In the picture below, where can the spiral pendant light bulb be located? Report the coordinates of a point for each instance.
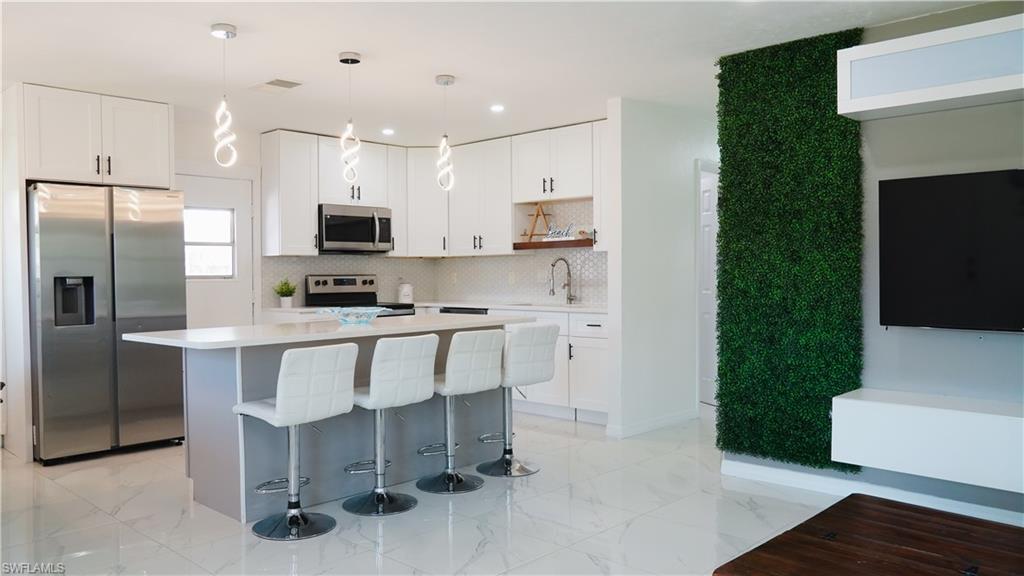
(445, 170)
(224, 150)
(350, 145)
(445, 173)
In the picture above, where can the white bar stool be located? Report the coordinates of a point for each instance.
(402, 372)
(529, 359)
(312, 384)
(474, 365)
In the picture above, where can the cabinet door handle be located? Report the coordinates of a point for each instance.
(474, 242)
(481, 242)
(352, 192)
(108, 165)
(593, 325)
(552, 184)
(316, 240)
(97, 163)
(444, 243)
(570, 351)
(359, 192)
(544, 186)
(594, 236)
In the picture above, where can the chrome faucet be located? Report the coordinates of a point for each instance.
(569, 296)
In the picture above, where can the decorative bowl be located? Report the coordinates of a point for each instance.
(354, 314)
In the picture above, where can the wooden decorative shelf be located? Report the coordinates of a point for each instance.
(581, 243)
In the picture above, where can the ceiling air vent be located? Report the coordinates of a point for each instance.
(276, 86)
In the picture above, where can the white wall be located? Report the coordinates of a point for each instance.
(193, 145)
(955, 362)
(652, 267)
(15, 295)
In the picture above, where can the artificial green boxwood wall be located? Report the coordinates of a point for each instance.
(789, 250)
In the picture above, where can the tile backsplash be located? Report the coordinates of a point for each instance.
(421, 273)
(524, 277)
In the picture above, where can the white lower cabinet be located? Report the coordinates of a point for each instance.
(588, 373)
(581, 363)
(554, 392)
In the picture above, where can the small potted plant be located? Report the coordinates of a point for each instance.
(285, 290)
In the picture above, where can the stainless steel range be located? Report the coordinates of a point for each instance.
(350, 290)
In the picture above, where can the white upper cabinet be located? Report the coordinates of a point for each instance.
(465, 200)
(601, 183)
(63, 139)
(531, 166)
(427, 205)
(495, 228)
(480, 204)
(398, 200)
(82, 137)
(572, 162)
(136, 142)
(553, 164)
(289, 188)
(371, 185)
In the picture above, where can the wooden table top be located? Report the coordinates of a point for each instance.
(872, 536)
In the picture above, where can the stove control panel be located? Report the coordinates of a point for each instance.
(323, 284)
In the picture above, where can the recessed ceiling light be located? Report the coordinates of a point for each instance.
(497, 108)
(388, 131)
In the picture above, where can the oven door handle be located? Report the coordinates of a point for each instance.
(376, 230)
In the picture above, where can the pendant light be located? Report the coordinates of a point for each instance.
(224, 152)
(445, 173)
(350, 143)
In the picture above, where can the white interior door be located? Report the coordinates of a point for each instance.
(218, 251)
(708, 294)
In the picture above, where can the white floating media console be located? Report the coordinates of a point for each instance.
(971, 65)
(972, 441)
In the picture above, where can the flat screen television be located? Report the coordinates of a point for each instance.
(952, 251)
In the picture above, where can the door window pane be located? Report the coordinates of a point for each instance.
(209, 260)
(208, 226)
(209, 243)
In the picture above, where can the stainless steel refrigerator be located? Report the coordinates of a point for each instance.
(104, 261)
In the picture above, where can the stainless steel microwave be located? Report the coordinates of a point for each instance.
(354, 228)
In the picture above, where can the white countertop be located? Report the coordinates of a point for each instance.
(576, 308)
(268, 334)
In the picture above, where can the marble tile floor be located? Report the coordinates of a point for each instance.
(654, 503)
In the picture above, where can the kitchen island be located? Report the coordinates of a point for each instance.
(228, 455)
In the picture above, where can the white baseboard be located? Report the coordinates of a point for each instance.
(634, 428)
(844, 486)
(561, 412)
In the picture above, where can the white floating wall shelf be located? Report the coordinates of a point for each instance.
(970, 65)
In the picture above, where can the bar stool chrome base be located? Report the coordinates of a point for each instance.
(507, 467)
(293, 526)
(374, 503)
(450, 483)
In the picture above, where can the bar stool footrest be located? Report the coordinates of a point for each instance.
(278, 485)
(492, 437)
(435, 449)
(364, 466)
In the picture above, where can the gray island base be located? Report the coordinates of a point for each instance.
(228, 455)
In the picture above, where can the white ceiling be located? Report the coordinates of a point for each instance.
(550, 64)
